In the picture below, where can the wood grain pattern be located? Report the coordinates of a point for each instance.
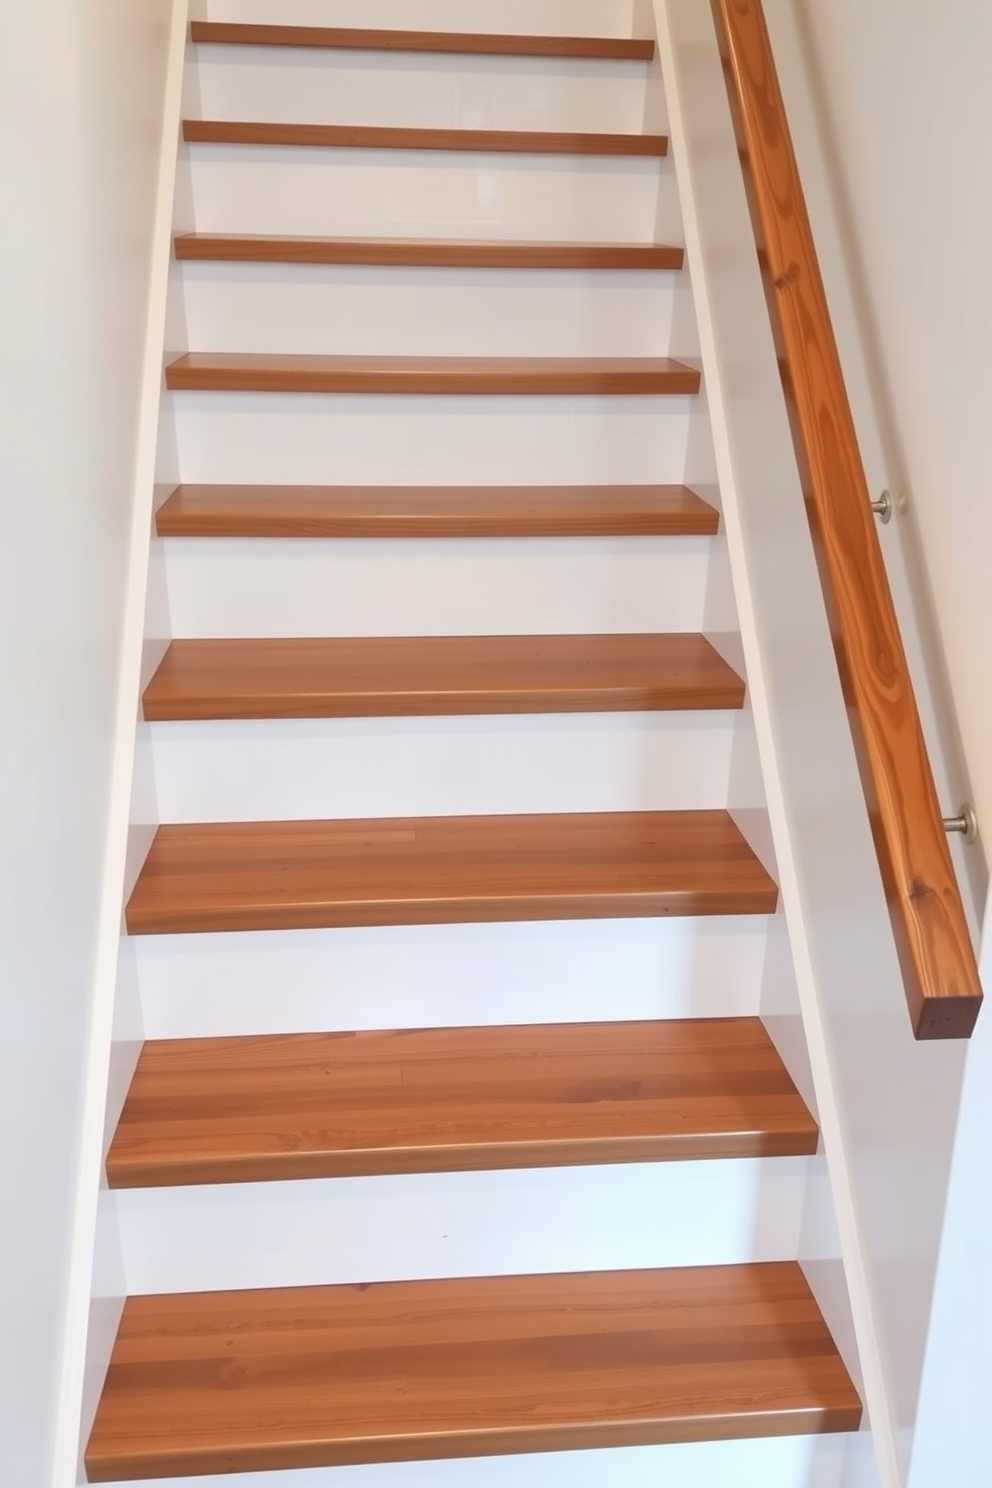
(931, 931)
(445, 870)
(376, 137)
(426, 252)
(435, 511)
(338, 38)
(406, 1371)
(241, 372)
(433, 676)
(248, 1110)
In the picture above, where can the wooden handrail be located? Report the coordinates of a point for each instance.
(931, 932)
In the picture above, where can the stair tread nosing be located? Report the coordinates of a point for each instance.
(204, 371)
(410, 676)
(403, 137)
(435, 511)
(249, 1110)
(232, 876)
(341, 38)
(413, 1371)
(426, 252)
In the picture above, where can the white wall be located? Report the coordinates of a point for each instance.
(953, 1442)
(905, 122)
(81, 93)
(907, 112)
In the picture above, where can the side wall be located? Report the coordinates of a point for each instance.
(907, 117)
(904, 120)
(81, 94)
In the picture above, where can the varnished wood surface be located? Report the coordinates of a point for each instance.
(444, 870)
(337, 38)
(931, 931)
(404, 1371)
(375, 137)
(247, 1110)
(430, 676)
(435, 511)
(427, 252)
(203, 371)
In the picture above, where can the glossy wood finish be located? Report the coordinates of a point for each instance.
(374, 137)
(445, 870)
(241, 372)
(931, 931)
(386, 677)
(337, 38)
(405, 1371)
(247, 1110)
(435, 511)
(427, 253)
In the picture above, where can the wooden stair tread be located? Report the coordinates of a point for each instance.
(249, 1110)
(426, 252)
(201, 371)
(445, 870)
(393, 137)
(411, 1371)
(409, 676)
(465, 43)
(435, 511)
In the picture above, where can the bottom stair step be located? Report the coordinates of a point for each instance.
(411, 1371)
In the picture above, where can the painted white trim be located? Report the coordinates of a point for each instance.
(97, 1061)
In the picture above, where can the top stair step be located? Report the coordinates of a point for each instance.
(366, 137)
(425, 253)
(242, 372)
(461, 43)
(435, 511)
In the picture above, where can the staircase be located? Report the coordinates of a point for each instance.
(456, 1138)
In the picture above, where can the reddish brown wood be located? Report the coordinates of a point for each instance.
(404, 1371)
(247, 1110)
(928, 918)
(441, 870)
(435, 511)
(366, 137)
(452, 376)
(427, 253)
(406, 676)
(336, 38)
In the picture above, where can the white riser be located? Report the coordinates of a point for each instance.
(776, 1462)
(416, 441)
(297, 588)
(426, 312)
(261, 189)
(430, 92)
(557, 17)
(439, 976)
(283, 770)
(404, 1228)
